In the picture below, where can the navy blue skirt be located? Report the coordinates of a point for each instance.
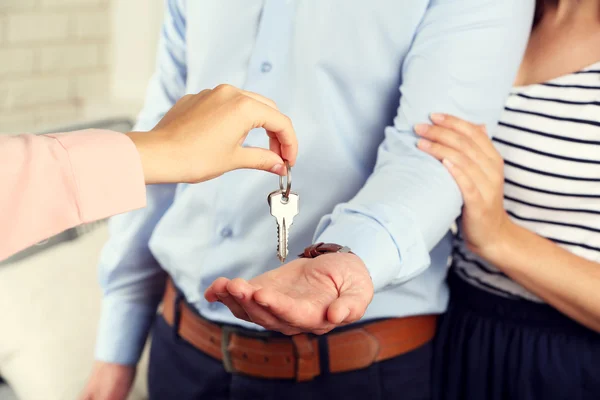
(490, 347)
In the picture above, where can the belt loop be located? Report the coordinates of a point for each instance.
(307, 363)
(176, 314)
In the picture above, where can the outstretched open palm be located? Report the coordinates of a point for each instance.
(305, 295)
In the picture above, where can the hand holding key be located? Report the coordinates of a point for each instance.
(306, 295)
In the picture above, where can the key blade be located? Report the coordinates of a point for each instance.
(282, 245)
(286, 224)
(284, 212)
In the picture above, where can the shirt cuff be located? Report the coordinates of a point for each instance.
(108, 173)
(123, 331)
(392, 256)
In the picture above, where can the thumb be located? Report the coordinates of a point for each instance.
(349, 307)
(262, 159)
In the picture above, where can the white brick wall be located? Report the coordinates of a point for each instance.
(36, 27)
(16, 61)
(16, 4)
(91, 25)
(54, 59)
(69, 57)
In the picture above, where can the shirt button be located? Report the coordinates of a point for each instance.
(226, 232)
(266, 67)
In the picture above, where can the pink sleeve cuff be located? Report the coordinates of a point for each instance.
(107, 171)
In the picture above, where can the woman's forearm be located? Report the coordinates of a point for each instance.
(566, 281)
(54, 182)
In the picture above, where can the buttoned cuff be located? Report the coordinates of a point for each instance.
(391, 257)
(123, 331)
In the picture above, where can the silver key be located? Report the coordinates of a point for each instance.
(284, 207)
(284, 211)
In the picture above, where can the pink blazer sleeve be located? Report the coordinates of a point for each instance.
(49, 183)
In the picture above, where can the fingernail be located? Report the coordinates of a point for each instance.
(447, 163)
(222, 295)
(421, 129)
(278, 169)
(238, 295)
(437, 117)
(424, 144)
(262, 304)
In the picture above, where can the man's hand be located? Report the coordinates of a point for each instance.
(109, 382)
(306, 295)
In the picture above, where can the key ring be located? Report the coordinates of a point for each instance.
(286, 195)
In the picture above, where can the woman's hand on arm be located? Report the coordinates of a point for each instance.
(568, 282)
(201, 137)
(469, 155)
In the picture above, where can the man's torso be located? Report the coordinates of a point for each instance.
(335, 68)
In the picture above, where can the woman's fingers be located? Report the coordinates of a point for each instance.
(459, 142)
(260, 98)
(274, 144)
(264, 113)
(455, 157)
(259, 158)
(470, 191)
(477, 133)
(211, 126)
(279, 127)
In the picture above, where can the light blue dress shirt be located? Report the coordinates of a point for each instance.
(354, 76)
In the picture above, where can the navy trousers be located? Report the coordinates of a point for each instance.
(179, 371)
(493, 348)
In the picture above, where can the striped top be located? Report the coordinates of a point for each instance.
(549, 137)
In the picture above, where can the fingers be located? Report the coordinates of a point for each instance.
(263, 159)
(218, 292)
(210, 293)
(471, 193)
(459, 142)
(298, 314)
(477, 133)
(265, 114)
(278, 303)
(442, 152)
(243, 292)
(348, 308)
(274, 144)
(278, 126)
(456, 124)
(237, 295)
(278, 143)
(260, 98)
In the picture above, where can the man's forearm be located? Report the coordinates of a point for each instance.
(385, 231)
(463, 61)
(123, 330)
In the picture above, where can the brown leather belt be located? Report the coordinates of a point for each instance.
(297, 357)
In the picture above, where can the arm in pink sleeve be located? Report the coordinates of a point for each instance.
(49, 183)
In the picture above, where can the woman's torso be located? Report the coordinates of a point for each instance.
(549, 137)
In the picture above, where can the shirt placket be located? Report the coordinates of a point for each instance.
(267, 62)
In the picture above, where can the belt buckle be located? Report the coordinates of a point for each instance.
(226, 332)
